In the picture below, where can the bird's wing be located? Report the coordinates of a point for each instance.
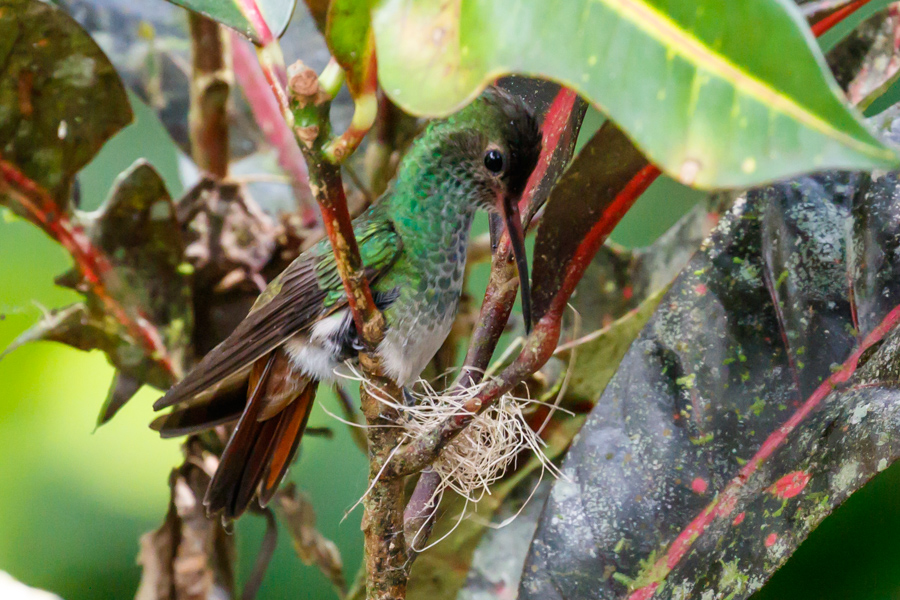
(309, 289)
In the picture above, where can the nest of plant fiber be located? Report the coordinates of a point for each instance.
(484, 450)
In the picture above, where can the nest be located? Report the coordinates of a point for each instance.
(484, 450)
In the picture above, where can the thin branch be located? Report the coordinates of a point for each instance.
(89, 260)
(263, 557)
(365, 110)
(211, 81)
(560, 130)
(420, 512)
(310, 104)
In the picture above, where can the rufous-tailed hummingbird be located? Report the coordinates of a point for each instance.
(413, 246)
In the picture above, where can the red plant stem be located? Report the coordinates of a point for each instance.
(540, 344)
(312, 105)
(269, 52)
(724, 503)
(89, 259)
(556, 124)
(269, 118)
(339, 228)
(836, 17)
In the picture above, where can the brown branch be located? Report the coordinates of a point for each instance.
(560, 130)
(419, 515)
(89, 260)
(211, 81)
(310, 104)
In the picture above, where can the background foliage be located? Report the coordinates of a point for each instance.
(75, 503)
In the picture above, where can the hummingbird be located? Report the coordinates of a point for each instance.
(412, 242)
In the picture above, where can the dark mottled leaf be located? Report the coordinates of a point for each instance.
(620, 279)
(584, 198)
(122, 389)
(739, 418)
(500, 555)
(597, 354)
(52, 79)
(138, 230)
(148, 277)
(79, 327)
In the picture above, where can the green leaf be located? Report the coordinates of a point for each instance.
(718, 94)
(53, 79)
(235, 14)
(349, 38)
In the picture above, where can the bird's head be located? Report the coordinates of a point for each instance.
(494, 144)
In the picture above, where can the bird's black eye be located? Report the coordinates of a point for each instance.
(493, 161)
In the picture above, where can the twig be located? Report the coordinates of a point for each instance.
(310, 104)
(263, 557)
(420, 512)
(364, 113)
(211, 81)
(89, 260)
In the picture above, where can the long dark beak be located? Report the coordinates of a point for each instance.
(513, 222)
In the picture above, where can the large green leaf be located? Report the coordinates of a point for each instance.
(716, 93)
(238, 14)
(53, 79)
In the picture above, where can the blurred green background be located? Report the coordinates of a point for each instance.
(73, 501)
